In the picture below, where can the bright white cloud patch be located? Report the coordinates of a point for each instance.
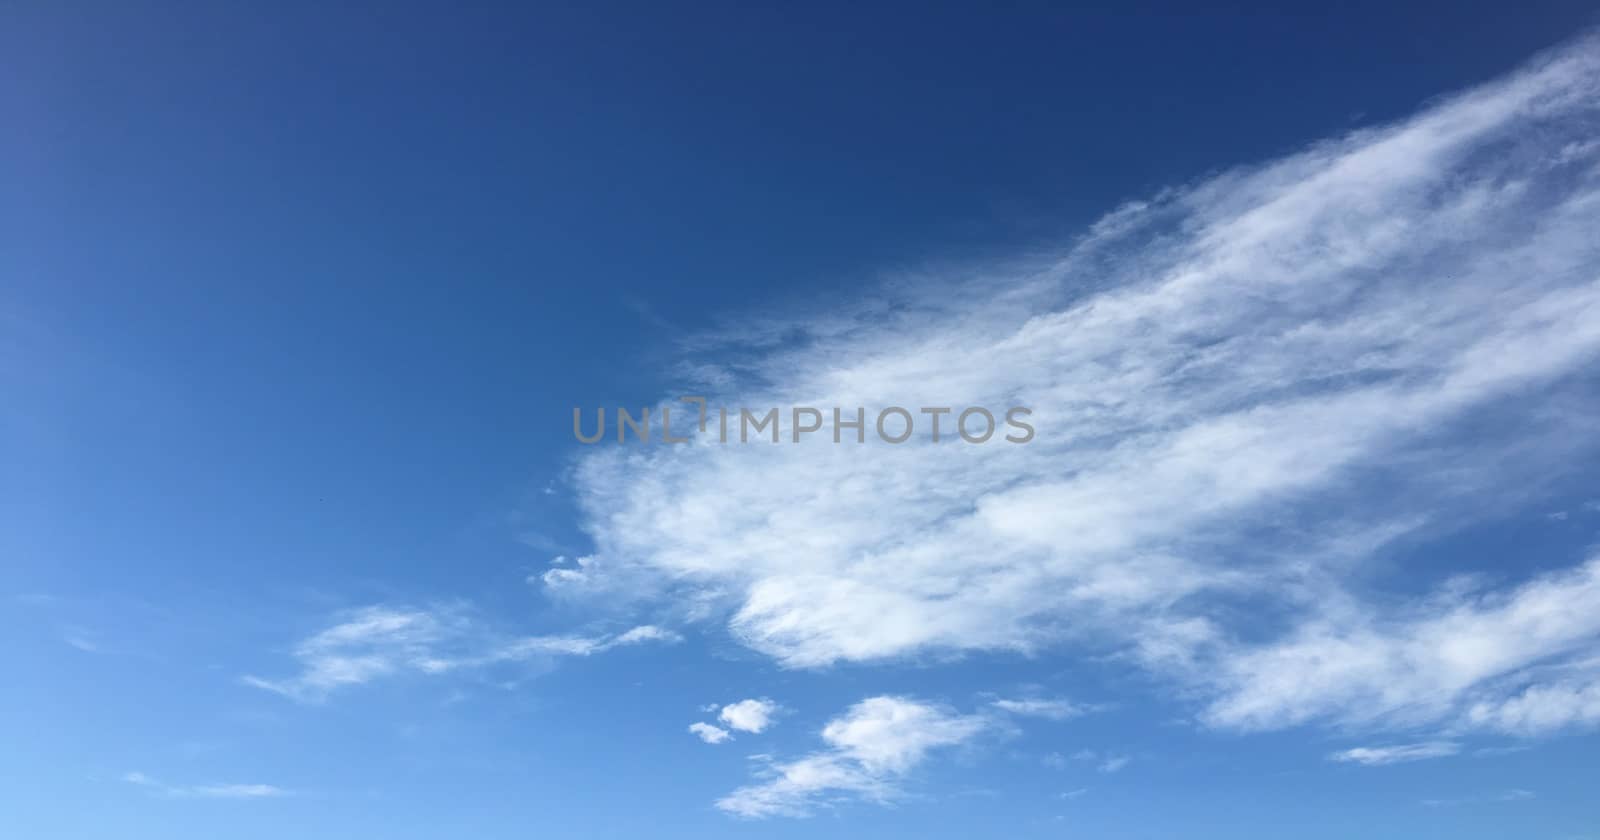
(869, 749)
(1393, 325)
(708, 733)
(567, 577)
(381, 641)
(1397, 753)
(749, 715)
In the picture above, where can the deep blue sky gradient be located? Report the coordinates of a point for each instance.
(295, 300)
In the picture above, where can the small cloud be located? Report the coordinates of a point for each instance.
(211, 791)
(1050, 709)
(708, 733)
(1397, 753)
(566, 578)
(556, 578)
(749, 715)
(236, 791)
(1557, 516)
(81, 643)
(646, 633)
(1511, 795)
(1104, 762)
(1114, 763)
(1072, 794)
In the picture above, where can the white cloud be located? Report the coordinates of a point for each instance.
(708, 733)
(567, 578)
(1050, 709)
(1103, 762)
(1544, 708)
(646, 633)
(1114, 763)
(1360, 669)
(82, 641)
(237, 791)
(1242, 389)
(213, 791)
(381, 641)
(1397, 753)
(749, 715)
(870, 748)
(1512, 795)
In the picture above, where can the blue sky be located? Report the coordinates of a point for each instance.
(296, 304)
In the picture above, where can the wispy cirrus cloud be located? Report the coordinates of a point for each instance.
(1113, 764)
(1104, 762)
(869, 749)
(1043, 707)
(1548, 706)
(1511, 795)
(1244, 388)
(1396, 753)
(1424, 664)
(211, 791)
(384, 641)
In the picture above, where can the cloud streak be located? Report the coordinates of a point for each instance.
(380, 641)
(1048, 708)
(213, 791)
(1396, 754)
